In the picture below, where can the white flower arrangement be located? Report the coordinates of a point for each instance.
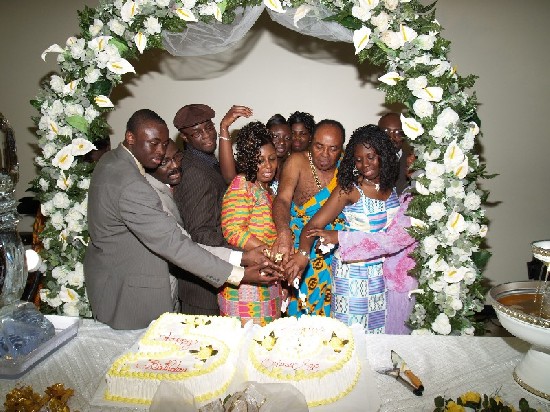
(400, 35)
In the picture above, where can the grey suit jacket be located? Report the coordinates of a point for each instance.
(131, 240)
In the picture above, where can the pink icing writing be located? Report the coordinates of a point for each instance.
(170, 365)
(305, 366)
(182, 342)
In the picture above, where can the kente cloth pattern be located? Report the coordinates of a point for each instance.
(359, 289)
(315, 282)
(394, 244)
(246, 212)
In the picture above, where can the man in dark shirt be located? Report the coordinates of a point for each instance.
(199, 197)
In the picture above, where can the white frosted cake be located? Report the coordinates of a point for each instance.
(316, 354)
(200, 352)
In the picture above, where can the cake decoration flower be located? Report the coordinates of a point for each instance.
(269, 341)
(204, 353)
(337, 343)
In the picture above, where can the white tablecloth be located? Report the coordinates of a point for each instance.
(448, 366)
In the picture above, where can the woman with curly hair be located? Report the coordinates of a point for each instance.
(282, 140)
(367, 197)
(247, 222)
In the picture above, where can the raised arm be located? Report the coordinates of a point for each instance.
(288, 183)
(225, 151)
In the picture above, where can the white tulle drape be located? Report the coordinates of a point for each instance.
(200, 39)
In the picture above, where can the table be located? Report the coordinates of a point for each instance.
(447, 365)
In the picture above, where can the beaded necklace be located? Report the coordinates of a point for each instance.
(317, 181)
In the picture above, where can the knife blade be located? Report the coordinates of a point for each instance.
(401, 365)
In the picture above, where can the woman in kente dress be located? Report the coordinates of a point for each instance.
(367, 197)
(247, 222)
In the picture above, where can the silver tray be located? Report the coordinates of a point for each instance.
(65, 328)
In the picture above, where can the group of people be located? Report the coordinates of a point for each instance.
(285, 223)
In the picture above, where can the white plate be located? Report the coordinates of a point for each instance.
(65, 328)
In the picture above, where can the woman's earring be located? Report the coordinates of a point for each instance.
(355, 171)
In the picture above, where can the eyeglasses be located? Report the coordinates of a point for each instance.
(178, 157)
(395, 132)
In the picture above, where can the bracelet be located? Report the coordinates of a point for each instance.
(303, 252)
(225, 138)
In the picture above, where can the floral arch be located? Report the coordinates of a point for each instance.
(400, 35)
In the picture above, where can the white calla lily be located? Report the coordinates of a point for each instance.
(98, 44)
(54, 48)
(185, 14)
(453, 156)
(71, 40)
(300, 13)
(462, 169)
(128, 11)
(483, 231)
(81, 146)
(456, 223)
(474, 128)
(103, 101)
(218, 13)
(431, 94)
(411, 127)
(120, 66)
(407, 34)
(390, 78)
(53, 128)
(70, 87)
(140, 40)
(274, 5)
(64, 158)
(361, 38)
(420, 188)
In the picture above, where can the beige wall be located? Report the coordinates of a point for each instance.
(501, 41)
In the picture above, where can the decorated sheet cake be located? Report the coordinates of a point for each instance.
(315, 354)
(198, 352)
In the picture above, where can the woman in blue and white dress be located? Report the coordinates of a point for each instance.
(366, 195)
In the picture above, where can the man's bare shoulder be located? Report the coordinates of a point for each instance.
(296, 161)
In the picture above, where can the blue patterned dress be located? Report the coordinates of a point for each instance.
(359, 290)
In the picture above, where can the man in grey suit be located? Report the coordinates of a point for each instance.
(163, 179)
(132, 238)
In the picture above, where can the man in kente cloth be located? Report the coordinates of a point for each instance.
(306, 182)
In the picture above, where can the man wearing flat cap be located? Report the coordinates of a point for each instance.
(200, 193)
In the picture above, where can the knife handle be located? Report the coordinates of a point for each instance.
(417, 383)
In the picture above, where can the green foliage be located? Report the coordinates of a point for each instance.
(345, 18)
(481, 258)
(78, 122)
(85, 20)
